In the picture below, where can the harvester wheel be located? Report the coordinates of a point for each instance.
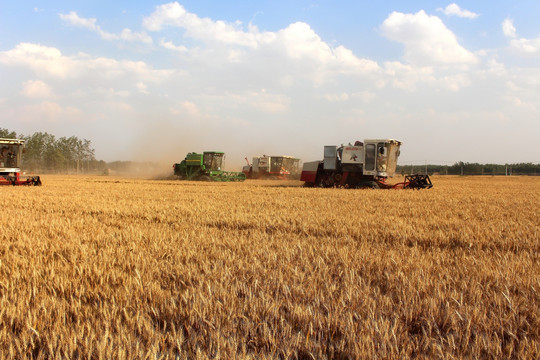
(374, 185)
(368, 185)
(204, 178)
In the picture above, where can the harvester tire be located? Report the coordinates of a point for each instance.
(368, 185)
(204, 178)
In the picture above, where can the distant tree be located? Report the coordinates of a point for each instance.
(39, 147)
(5, 133)
(54, 159)
(65, 147)
(86, 152)
(45, 152)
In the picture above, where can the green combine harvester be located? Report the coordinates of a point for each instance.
(205, 167)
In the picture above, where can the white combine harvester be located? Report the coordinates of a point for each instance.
(11, 151)
(363, 165)
(273, 167)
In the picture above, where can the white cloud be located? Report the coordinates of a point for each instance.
(55, 111)
(90, 23)
(121, 106)
(269, 103)
(142, 88)
(529, 46)
(174, 14)
(455, 82)
(129, 35)
(364, 96)
(520, 103)
(41, 59)
(301, 41)
(427, 40)
(190, 107)
(169, 45)
(296, 43)
(349, 63)
(409, 78)
(495, 68)
(166, 14)
(341, 97)
(236, 56)
(51, 112)
(49, 61)
(508, 28)
(109, 93)
(454, 10)
(522, 45)
(36, 89)
(406, 77)
(73, 19)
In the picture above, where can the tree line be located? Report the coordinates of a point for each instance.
(45, 152)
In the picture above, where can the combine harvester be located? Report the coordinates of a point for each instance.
(205, 167)
(11, 151)
(273, 168)
(362, 165)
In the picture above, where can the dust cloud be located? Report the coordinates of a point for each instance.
(153, 148)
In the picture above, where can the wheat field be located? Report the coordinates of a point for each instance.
(108, 267)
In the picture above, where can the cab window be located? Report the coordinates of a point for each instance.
(370, 157)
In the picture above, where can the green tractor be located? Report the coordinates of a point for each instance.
(205, 167)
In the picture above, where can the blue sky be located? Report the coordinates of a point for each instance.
(153, 80)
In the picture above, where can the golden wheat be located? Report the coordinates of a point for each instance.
(99, 268)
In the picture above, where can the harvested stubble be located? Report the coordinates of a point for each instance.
(99, 268)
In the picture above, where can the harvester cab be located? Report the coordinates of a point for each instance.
(11, 151)
(207, 166)
(363, 165)
(213, 161)
(376, 158)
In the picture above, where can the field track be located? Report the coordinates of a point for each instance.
(108, 267)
